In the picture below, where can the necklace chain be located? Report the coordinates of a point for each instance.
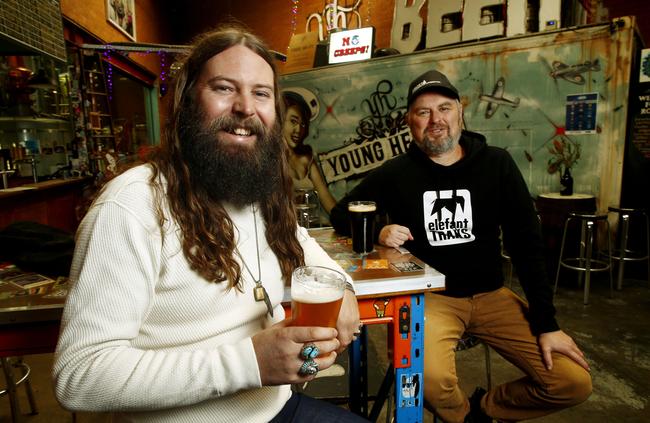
(257, 281)
(259, 292)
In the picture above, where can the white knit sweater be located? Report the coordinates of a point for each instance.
(145, 337)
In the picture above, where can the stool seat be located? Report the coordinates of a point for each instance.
(585, 262)
(622, 253)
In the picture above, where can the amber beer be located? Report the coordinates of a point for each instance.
(362, 224)
(316, 296)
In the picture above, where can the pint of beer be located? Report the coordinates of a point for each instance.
(362, 221)
(316, 296)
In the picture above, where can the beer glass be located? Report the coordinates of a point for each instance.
(316, 296)
(307, 207)
(362, 223)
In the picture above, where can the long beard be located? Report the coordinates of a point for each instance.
(240, 174)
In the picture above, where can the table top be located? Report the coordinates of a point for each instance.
(45, 303)
(41, 186)
(385, 271)
(558, 196)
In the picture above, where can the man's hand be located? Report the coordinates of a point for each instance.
(348, 322)
(394, 235)
(278, 351)
(562, 343)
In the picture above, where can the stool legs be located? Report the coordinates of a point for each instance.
(11, 390)
(585, 262)
(12, 385)
(588, 227)
(624, 225)
(623, 252)
(559, 263)
(488, 366)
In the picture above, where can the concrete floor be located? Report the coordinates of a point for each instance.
(613, 333)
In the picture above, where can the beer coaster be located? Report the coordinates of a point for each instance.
(406, 266)
(348, 266)
(375, 264)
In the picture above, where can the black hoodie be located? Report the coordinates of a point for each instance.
(455, 214)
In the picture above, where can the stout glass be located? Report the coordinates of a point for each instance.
(316, 296)
(362, 223)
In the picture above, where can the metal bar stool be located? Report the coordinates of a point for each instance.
(623, 253)
(12, 384)
(585, 262)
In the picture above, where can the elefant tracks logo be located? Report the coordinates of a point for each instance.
(448, 217)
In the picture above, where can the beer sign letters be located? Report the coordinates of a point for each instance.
(453, 21)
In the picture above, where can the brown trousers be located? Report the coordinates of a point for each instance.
(498, 319)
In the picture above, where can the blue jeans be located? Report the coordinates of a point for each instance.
(301, 408)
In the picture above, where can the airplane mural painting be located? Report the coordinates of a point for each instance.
(573, 73)
(497, 99)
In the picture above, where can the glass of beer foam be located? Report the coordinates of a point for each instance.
(362, 225)
(316, 296)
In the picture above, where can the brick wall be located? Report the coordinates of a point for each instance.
(36, 23)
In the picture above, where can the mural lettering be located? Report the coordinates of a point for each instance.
(380, 136)
(354, 159)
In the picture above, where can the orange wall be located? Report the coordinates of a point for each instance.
(150, 25)
(272, 21)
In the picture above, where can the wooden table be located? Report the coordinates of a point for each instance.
(553, 209)
(390, 286)
(30, 319)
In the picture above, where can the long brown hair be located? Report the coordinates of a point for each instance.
(207, 230)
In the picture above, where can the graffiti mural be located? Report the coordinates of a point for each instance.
(513, 91)
(380, 135)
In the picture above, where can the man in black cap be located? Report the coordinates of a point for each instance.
(448, 199)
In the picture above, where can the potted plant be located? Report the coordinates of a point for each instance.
(564, 154)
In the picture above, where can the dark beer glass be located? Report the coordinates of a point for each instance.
(362, 221)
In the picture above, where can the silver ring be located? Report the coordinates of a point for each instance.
(308, 368)
(309, 352)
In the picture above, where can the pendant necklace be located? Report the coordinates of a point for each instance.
(259, 292)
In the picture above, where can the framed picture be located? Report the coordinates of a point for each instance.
(121, 13)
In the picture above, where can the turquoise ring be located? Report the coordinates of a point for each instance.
(308, 368)
(309, 352)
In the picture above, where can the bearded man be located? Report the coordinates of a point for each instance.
(448, 198)
(180, 266)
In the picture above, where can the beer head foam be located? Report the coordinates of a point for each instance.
(316, 294)
(360, 208)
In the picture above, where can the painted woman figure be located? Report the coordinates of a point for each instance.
(303, 168)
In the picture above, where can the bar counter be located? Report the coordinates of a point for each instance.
(52, 202)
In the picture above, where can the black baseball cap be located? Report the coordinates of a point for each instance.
(431, 81)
